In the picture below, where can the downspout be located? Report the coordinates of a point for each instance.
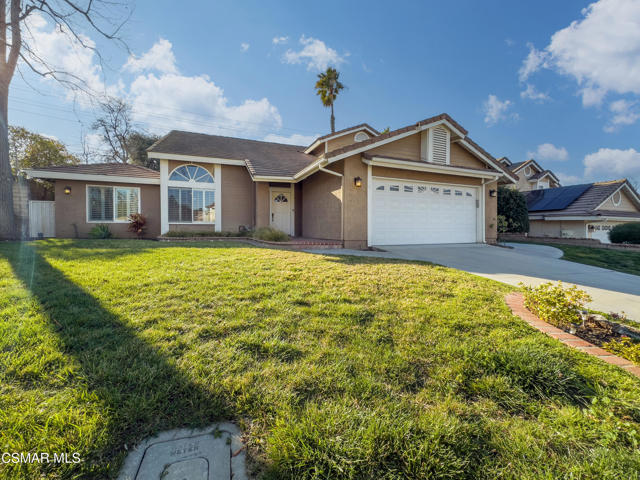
(484, 212)
(322, 169)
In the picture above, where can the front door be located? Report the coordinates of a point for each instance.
(281, 210)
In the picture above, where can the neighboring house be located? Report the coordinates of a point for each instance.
(582, 211)
(424, 183)
(531, 176)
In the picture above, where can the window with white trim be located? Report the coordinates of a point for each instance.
(191, 195)
(112, 204)
(617, 198)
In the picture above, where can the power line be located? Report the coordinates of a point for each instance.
(182, 112)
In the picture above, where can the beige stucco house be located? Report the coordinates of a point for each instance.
(582, 211)
(531, 176)
(424, 183)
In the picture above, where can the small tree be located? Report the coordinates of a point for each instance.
(137, 143)
(512, 206)
(114, 127)
(32, 150)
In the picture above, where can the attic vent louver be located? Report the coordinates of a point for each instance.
(439, 145)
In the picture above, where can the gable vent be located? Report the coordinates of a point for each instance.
(439, 145)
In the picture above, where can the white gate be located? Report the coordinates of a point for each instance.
(42, 218)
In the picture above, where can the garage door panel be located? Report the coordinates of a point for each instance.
(406, 212)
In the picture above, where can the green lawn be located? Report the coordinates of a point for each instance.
(620, 260)
(333, 367)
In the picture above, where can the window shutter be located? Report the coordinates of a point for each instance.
(439, 145)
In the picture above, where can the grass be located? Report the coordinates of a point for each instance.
(627, 261)
(349, 367)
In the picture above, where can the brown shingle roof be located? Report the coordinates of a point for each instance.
(262, 158)
(586, 204)
(111, 169)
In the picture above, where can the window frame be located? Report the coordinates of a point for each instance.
(193, 185)
(114, 200)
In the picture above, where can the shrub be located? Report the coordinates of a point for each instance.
(137, 224)
(100, 231)
(512, 206)
(270, 234)
(626, 348)
(555, 304)
(625, 233)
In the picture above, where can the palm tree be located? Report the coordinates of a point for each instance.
(328, 87)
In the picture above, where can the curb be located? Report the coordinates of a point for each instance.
(515, 301)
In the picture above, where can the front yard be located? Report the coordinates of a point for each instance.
(334, 367)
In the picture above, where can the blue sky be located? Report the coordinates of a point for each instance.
(555, 80)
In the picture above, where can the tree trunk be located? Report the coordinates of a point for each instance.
(7, 216)
(333, 121)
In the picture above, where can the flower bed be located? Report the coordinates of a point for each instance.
(565, 308)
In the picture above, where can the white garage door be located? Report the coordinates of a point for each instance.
(406, 212)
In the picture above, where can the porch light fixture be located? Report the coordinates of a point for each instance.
(67, 190)
(493, 193)
(357, 182)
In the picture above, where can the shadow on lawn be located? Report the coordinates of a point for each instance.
(142, 390)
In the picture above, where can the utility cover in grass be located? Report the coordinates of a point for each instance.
(213, 453)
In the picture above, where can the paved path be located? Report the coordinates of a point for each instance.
(530, 264)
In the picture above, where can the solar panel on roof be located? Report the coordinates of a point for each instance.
(554, 198)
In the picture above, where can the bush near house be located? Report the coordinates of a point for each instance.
(270, 234)
(555, 304)
(513, 216)
(625, 233)
(137, 223)
(100, 231)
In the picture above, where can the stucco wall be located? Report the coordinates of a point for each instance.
(262, 204)
(71, 209)
(548, 228)
(355, 204)
(491, 213)
(322, 206)
(237, 198)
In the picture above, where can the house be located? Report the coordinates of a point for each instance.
(531, 176)
(582, 211)
(424, 183)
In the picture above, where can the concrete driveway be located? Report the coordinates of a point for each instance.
(530, 264)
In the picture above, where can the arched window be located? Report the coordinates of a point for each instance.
(191, 173)
(191, 195)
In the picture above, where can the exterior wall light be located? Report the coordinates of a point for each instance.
(493, 193)
(357, 182)
(67, 190)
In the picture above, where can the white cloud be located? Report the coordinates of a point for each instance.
(624, 113)
(548, 151)
(315, 53)
(295, 139)
(534, 61)
(567, 179)
(244, 47)
(64, 54)
(611, 162)
(160, 58)
(197, 103)
(600, 51)
(280, 40)
(496, 110)
(532, 94)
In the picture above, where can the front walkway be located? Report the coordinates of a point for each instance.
(611, 291)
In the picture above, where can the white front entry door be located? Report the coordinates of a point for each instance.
(409, 212)
(281, 209)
